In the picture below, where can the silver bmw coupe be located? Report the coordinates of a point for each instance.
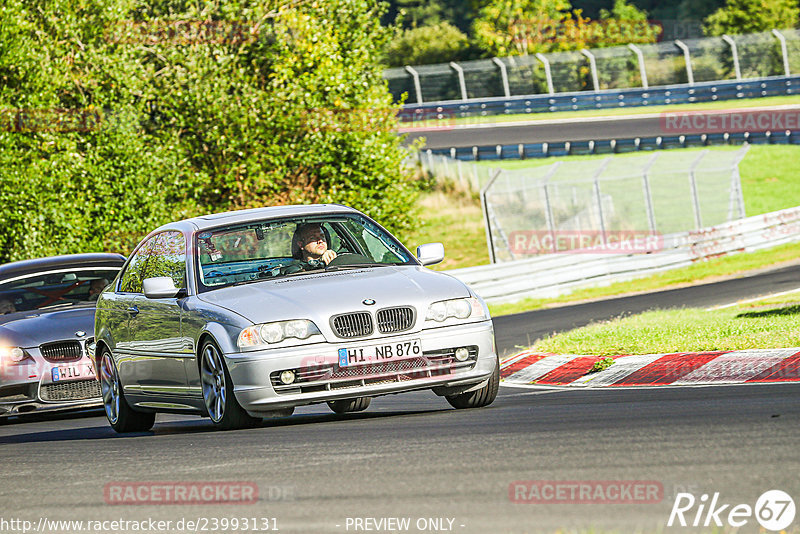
(244, 315)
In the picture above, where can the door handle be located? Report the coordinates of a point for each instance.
(133, 310)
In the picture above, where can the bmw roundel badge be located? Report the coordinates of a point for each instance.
(368, 302)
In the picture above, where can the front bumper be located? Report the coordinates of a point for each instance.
(320, 378)
(34, 386)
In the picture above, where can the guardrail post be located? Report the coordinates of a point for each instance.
(640, 59)
(592, 68)
(648, 197)
(503, 76)
(737, 197)
(596, 179)
(784, 52)
(417, 87)
(735, 53)
(687, 58)
(698, 219)
(487, 214)
(462, 83)
(551, 222)
(541, 57)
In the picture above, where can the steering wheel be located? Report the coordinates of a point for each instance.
(349, 258)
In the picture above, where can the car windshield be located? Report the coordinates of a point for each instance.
(273, 249)
(60, 287)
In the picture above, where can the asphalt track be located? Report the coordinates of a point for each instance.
(583, 129)
(412, 456)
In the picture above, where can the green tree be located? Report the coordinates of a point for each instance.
(119, 116)
(751, 16)
(439, 43)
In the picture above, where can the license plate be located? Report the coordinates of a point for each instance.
(71, 372)
(398, 350)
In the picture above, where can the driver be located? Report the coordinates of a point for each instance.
(6, 306)
(311, 245)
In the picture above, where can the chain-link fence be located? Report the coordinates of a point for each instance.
(596, 205)
(773, 53)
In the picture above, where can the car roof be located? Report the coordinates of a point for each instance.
(256, 214)
(100, 260)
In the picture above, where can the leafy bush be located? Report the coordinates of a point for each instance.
(117, 118)
(438, 43)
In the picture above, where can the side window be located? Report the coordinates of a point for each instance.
(132, 278)
(168, 258)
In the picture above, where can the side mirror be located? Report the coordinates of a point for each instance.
(430, 253)
(160, 287)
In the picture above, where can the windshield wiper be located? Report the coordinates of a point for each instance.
(357, 266)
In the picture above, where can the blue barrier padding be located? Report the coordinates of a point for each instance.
(603, 146)
(487, 153)
(695, 140)
(758, 138)
(627, 145)
(648, 143)
(510, 152)
(580, 148)
(557, 149)
(534, 150)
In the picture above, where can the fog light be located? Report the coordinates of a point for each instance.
(287, 377)
(462, 354)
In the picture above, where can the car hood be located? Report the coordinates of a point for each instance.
(318, 296)
(32, 328)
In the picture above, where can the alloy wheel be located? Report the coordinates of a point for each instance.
(109, 386)
(212, 376)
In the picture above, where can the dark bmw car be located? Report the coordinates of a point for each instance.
(47, 310)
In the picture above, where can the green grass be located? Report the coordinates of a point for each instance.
(769, 173)
(636, 110)
(454, 220)
(759, 326)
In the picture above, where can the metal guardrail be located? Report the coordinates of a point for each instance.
(605, 99)
(610, 70)
(614, 146)
(551, 275)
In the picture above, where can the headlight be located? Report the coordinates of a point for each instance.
(456, 308)
(269, 333)
(14, 354)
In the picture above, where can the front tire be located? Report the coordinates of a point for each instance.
(224, 410)
(358, 404)
(120, 415)
(480, 397)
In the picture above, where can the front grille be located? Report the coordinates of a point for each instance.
(326, 377)
(392, 320)
(61, 351)
(67, 391)
(379, 368)
(351, 325)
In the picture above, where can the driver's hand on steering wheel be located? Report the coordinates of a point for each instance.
(328, 256)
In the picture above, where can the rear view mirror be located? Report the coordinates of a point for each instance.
(160, 287)
(430, 253)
